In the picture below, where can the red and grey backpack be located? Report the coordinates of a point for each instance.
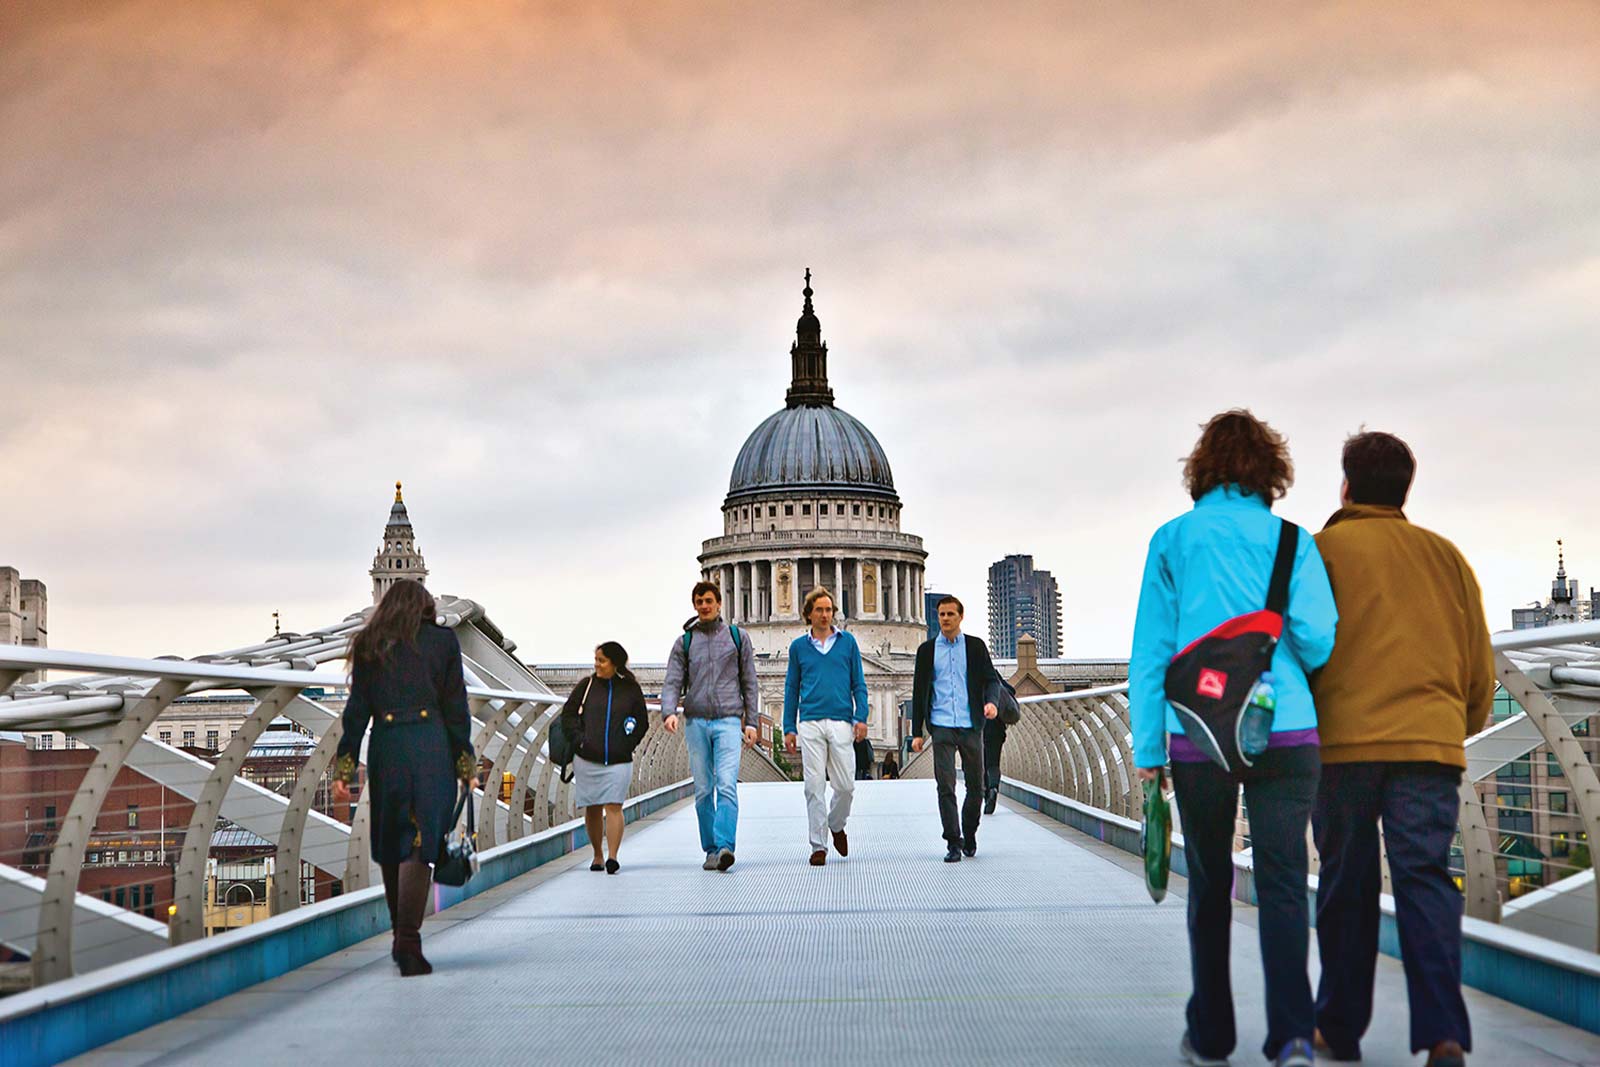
(1209, 682)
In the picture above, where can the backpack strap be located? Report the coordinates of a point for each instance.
(738, 657)
(1282, 567)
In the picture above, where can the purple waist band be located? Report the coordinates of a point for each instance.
(1182, 750)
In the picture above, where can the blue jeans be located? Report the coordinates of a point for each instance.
(1418, 805)
(715, 746)
(1279, 791)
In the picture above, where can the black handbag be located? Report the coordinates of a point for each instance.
(458, 858)
(564, 748)
(1010, 710)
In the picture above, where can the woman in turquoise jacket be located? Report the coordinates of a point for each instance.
(1204, 567)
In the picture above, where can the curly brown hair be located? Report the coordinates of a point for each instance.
(1236, 448)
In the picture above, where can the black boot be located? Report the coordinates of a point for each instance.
(391, 895)
(413, 901)
(991, 797)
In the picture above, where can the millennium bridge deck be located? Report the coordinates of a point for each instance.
(1042, 949)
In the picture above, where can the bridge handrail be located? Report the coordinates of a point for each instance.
(110, 705)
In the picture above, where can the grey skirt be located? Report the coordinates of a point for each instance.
(596, 783)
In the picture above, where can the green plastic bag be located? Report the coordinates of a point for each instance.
(1155, 839)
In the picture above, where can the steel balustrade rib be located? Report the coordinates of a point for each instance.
(1585, 786)
(291, 834)
(533, 758)
(188, 923)
(56, 911)
(488, 834)
(493, 723)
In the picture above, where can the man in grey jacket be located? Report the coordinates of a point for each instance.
(712, 668)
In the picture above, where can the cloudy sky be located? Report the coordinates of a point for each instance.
(542, 262)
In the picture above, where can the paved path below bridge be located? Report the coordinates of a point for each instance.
(1044, 949)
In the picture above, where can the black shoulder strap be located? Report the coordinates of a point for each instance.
(1283, 567)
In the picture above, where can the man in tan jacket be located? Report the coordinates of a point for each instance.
(1410, 679)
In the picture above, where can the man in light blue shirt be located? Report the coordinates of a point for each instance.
(954, 678)
(950, 707)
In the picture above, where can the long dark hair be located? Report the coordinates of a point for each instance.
(619, 659)
(403, 609)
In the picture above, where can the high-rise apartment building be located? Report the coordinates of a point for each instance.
(930, 603)
(1023, 600)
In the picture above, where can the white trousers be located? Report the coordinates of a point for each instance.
(827, 746)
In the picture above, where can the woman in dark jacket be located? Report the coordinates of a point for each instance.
(607, 713)
(406, 680)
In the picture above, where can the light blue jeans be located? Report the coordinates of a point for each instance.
(714, 749)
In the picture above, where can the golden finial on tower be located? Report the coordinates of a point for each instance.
(397, 499)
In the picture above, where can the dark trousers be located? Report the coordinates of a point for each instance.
(1279, 791)
(1419, 804)
(994, 739)
(947, 741)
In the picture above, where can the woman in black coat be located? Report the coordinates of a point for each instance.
(406, 680)
(606, 712)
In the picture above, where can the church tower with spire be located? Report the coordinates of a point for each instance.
(398, 557)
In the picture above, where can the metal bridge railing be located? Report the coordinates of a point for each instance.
(114, 813)
(1530, 801)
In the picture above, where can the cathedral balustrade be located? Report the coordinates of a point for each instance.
(1530, 799)
(844, 539)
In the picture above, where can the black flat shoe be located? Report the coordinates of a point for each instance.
(612, 866)
(597, 866)
(953, 856)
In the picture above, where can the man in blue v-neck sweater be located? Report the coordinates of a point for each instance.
(824, 714)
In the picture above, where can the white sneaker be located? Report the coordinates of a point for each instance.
(711, 861)
(1194, 1059)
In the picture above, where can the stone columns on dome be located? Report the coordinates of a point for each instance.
(838, 579)
(860, 593)
(734, 612)
(894, 592)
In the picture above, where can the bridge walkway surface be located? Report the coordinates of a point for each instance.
(1044, 949)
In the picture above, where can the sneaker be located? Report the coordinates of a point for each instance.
(1447, 1054)
(1297, 1053)
(1328, 1052)
(819, 857)
(724, 859)
(1194, 1059)
(711, 861)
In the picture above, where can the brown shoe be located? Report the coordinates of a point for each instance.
(819, 857)
(841, 843)
(1447, 1054)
